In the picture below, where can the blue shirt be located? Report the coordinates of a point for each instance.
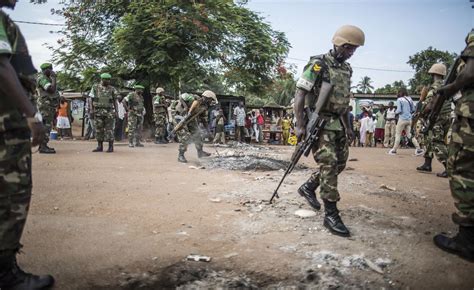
(405, 108)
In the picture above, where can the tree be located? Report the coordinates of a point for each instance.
(177, 44)
(391, 88)
(422, 61)
(365, 86)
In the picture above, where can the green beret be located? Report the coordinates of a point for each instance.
(105, 76)
(46, 65)
(136, 87)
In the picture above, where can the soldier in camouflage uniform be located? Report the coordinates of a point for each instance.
(331, 151)
(104, 110)
(135, 107)
(48, 102)
(18, 122)
(160, 113)
(188, 105)
(461, 157)
(435, 140)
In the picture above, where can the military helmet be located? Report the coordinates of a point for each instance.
(438, 68)
(210, 95)
(138, 87)
(160, 90)
(349, 34)
(470, 37)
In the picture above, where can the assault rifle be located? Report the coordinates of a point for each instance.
(195, 110)
(420, 110)
(434, 107)
(314, 128)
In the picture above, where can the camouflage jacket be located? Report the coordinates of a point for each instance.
(103, 97)
(463, 130)
(135, 103)
(326, 68)
(12, 44)
(46, 98)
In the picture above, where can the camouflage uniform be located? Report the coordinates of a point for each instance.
(435, 140)
(103, 100)
(159, 116)
(190, 133)
(332, 150)
(136, 106)
(461, 150)
(15, 154)
(47, 103)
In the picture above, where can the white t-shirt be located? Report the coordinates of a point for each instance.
(390, 114)
(239, 116)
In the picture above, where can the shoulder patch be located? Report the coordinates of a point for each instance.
(316, 67)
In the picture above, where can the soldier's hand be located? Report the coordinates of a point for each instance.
(300, 132)
(448, 90)
(350, 136)
(37, 131)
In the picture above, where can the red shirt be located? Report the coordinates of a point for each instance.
(260, 120)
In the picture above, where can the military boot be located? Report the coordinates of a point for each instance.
(426, 167)
(332, 220)
(45, 149)
(462, 244)
(130, 143)
(111, 147)
(100, 147)
(138, 144)
(12, 277)
(181, 157)
(157, 140)
(164, 140)
(308, 191)
(202, 153)
(443, 174)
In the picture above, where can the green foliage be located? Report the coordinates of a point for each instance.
(391, 88)
(192, 45)
(422, 61)
(364, 86)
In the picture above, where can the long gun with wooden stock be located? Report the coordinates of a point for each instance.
(439, 99)
(194, 112)
(419, 114)
(313, 131)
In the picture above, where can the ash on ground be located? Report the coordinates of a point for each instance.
(247, 157)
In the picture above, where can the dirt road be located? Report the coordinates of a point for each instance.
(129, 219)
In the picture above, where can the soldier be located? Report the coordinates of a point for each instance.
(435, 140)
(160, 113)
(461, 158)
(18, 122)
(104, 110)
(135, 107)
(331, 151)
(188, 106)
(48, 101)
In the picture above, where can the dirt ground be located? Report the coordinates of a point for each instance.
(128, 220)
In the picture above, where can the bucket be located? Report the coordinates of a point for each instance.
(53, 135)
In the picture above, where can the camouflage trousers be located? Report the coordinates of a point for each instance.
(189, 134)
(331, 153)
(134, 127)
(461, 173)
(435, 140)
(15, 180)
(47, 112)
(160, 124)
(104, 122)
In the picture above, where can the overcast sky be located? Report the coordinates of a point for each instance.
(394, 29)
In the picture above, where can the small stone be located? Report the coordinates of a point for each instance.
(383, 186)
(230, 255)
(216, 200)
(304, 213)
(56, 208)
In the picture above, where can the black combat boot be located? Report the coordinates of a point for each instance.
(443, 174)
(111, 147)
(181, 157)
(138, 144)
(462, 244)
(130, 143)
(14, 278)
(45, 149)
(308, 191)
(164, 140)
(100, 147)
(332, 220)
(202, 153)
(426, 167)
(157, 140)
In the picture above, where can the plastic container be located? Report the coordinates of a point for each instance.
(53, 135)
